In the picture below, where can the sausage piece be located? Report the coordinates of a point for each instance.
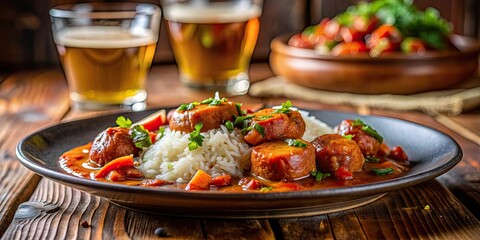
(334, 151)
(276, 126)
(278, 161)
(112, 143)
(210, 116)
(367, 143)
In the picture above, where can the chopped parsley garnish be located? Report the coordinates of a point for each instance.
(264, 117)
(141, 137)
(242, 121)
(259, 128)
(186, 107)
(239, 109)
(368, 130)
(371, 159)
(285, 107)
(195, 139)
(319, 175)
(295, 143)
(382, 171)
(123, 122)
(161, 132)
(266, 189)
(214, 101)
(348, 136)
(229, 126)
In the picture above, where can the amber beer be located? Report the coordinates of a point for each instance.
(105, 65)
(212, 45)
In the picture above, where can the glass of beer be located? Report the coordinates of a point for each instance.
(213, 41)
(106, 50)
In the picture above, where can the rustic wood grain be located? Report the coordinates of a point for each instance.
(28, 101)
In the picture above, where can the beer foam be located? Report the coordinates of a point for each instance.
(104, 37)
(214, 13)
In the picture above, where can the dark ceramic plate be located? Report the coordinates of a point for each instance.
(433, 153)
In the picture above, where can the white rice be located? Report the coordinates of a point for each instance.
(313, 127)
(222, 152)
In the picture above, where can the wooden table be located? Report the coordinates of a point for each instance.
(31, 100)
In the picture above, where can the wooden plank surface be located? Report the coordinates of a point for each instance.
(57, 211)
(27, 102)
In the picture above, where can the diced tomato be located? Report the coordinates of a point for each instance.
(331, 29)
(154, 121)
(153, 137)
(320, 29)
(252, 185)
(413, 45)
(116, 164)
(383, 150)
(385, 38)
(349, 48)
(350, 34)
(343, 173)
(222, 180)
(364, 25)
(200, 181)
(398, 154)
(298, 41)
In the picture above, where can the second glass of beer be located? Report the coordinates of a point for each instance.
(213, 41)
(106, 50)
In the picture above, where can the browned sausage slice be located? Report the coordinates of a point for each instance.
(210, 116)
(276, 126)
(278, 161)
(334, 151)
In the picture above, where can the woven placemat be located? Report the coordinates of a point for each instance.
(453, 101)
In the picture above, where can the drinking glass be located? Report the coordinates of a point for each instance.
(213, 41)
(106, 50)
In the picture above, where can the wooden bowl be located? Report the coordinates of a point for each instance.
(394, 73)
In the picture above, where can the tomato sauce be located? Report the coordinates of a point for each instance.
(76, 162)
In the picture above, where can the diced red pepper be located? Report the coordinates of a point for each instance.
(349, 48)
(343, 173)
(398, 154)
(154, 121)
(222, 180)
(252, 185)
(116, 164)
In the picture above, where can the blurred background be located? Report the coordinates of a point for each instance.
(26, 41)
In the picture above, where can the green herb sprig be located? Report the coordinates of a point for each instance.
(319, 175)
(368, 130)
(371, 159)
(196, 138)
(141, 137)
(295, 143)
(123, 122)
(285, 108)
(382, 171)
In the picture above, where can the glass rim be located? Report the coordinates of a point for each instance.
(105, 10)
